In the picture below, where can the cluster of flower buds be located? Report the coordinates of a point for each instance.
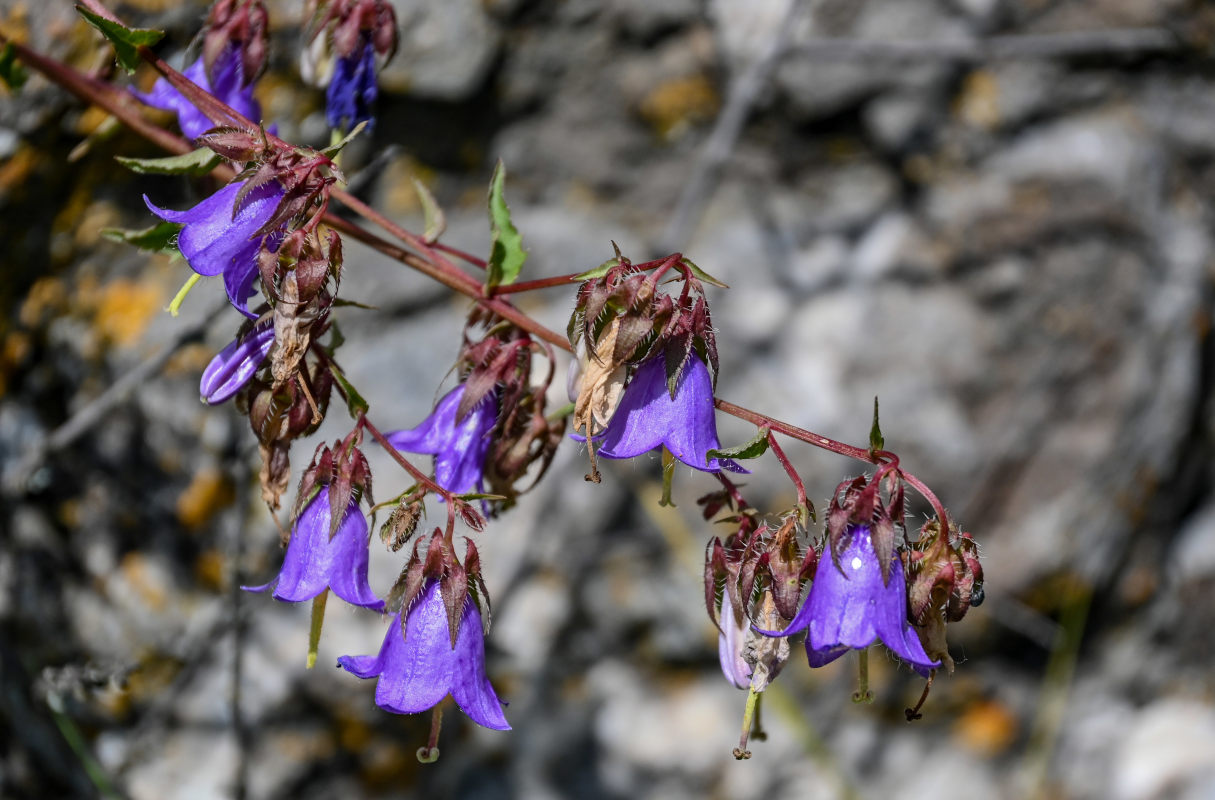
(946, 580)
(327, 547)
(239, 25)
(235, 42)
(435, 644)
(648, 363)
(754, 575)
(347, 36)
(267, 224)
(489, 431)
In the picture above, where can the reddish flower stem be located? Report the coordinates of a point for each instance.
(431, 263)
(539, 283)
(802, 500)
(460, 254)
(415, 473)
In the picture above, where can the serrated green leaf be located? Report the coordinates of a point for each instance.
(335, 148)
(753, 448)
(126, 41)
(157, 239)
(436, 220)
(195, 162)
(704, 276)
(876, 440)
(599, 271)
(355, 403)
(11, 71)
(506, 254)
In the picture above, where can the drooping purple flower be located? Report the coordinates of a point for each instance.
(420, 668)
(315, 561)
(648, 417)
(352, 90)
(221, 238)
(233, 366)
(228, 87)
(459, 446)
(850, 606)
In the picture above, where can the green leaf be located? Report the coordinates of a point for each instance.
(704, 276)
(355, 403)
(506, 254)
(158, 239)
(335, 148)
(876, 440)
(11, 72)
(126, 41)
(753, 448)
(196, 162)
(599, 271)
(436, 220)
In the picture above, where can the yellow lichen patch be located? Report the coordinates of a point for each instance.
(978, 103)
(46, 298)
(987, 728)
(209, 569)
(15, 21)
(353, 733)
(400, 197)
(96, 216)
(17, 169)
(671, 106)
(144, 581)
(190, 360)
(124, 308)
(209, 492)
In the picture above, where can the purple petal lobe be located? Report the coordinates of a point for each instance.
(348, 561)
(418, 669)
(470, 685)
(233, 366)
(648, 417)
(459, 448)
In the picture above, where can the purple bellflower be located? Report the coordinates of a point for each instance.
(648, 417)
(419, 668)
(233, 366)
(228, 87)
(352, 91)
(315, 561)
(221, 239)
(850, 606)
(459, 446)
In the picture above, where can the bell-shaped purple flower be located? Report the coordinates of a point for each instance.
(315, 561)
(221, 239)
(233, 366)
(420, 668)
(648, 417)
(459, 446)
(228, 87)
(352, 90)
(850, 606)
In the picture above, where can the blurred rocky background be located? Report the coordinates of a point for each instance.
(995, 215)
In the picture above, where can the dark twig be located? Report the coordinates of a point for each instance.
(87, 418)
(717, 148)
